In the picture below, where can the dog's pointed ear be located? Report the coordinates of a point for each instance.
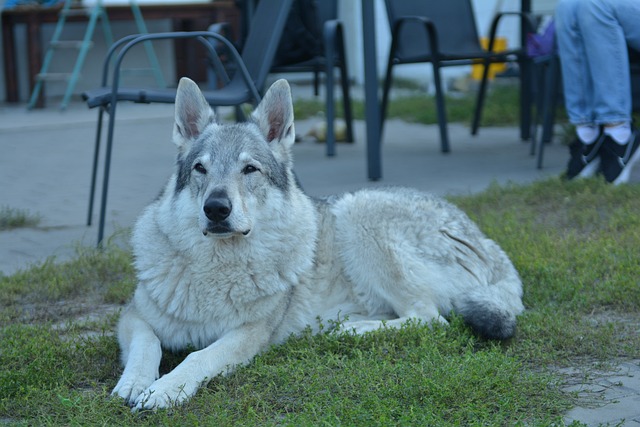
(193, 113)
(274, 115)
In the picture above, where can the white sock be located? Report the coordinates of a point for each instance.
(620, 133)
(587, 133)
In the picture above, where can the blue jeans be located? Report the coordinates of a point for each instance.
(592, 38)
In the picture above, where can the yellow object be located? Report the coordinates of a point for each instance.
(319, 130)
(499, 45)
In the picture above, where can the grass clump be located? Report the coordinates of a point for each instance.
(52, 291)
(575, 244)
(11, 218)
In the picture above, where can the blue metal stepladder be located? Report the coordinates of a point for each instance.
(96, 15)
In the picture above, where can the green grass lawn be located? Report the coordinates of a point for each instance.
(575, 244)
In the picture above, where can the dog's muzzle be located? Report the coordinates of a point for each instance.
(217, 208)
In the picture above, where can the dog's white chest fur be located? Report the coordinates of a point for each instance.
(196, 288)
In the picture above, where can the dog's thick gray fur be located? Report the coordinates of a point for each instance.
(233, 256)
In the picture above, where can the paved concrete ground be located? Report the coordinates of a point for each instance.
(611, 396)
(45, 168)
(45, 164)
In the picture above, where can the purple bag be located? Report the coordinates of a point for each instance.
(542, 43)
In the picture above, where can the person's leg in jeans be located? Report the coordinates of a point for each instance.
(578, 90)
(592, 42)
(610, 26)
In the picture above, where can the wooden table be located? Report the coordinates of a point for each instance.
(184, 17)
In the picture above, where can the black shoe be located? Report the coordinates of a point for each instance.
(584, 158)
(618, 160)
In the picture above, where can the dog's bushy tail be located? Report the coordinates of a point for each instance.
(491, 312)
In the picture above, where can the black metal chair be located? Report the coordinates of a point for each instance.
(329, 55)
(548, 81)
(251, 70)
(444, 33)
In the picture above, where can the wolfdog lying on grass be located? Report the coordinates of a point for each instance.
(234, 257)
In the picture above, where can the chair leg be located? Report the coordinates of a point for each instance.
(316, 83)
(388, 79)
(329, 41)
(346, 100)
(553, 81)
(107, 167)
(344, 82)
(526, 77)
(331, 114)
(539, 74)
(240, 116)
(550, 99)
(475, 124)
(540, 147)
(94, 170)
(442, 110)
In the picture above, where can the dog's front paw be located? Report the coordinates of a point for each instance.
(130, 388)
(164, 393)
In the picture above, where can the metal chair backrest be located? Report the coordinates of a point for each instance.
(327, 10)
(454, 20)
(265, 30)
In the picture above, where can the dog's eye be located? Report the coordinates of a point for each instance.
(249, 169)
(199, 168)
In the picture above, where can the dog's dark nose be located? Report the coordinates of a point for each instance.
(218, 206)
